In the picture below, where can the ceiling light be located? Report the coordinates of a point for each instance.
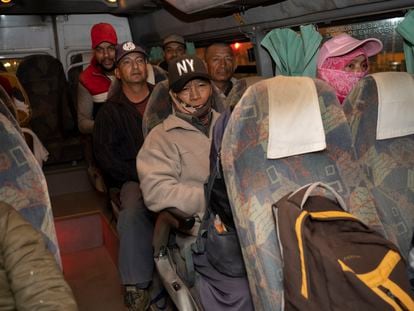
(5, 1)
(110, 1)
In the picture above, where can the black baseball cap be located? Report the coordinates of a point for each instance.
(128, 47)
(185, 68)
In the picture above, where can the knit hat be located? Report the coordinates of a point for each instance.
(185, 68)
(126, 48)
(103, 32)
(344, 43)
(173, 38)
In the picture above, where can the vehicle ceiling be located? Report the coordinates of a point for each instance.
(129, 7)
(183, 9)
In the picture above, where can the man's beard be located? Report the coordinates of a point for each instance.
(106, 70)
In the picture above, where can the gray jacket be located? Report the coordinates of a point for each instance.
(173, 165)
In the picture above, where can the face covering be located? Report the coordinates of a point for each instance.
(332, 71)
(199, 112)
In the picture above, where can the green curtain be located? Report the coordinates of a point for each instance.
(156, 54)
(190, 48)
(406, 30)
(294, 54)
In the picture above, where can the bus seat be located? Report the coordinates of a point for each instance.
(20, 98)
(254, 182)
(23, 185)
(159, 106)
(388, 163)
(73, 73)
(239, 88)
(8, 109)
(53, 115)
(31, 139)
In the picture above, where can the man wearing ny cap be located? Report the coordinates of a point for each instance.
(117, 138)
(173, 46)
(173, 163)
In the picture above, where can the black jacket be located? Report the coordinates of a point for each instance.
(117, 138)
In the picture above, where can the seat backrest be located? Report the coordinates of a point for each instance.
(255, 182)
(239, 88)
(388, 163)
(53, 113)
(44, 80)
(8, 109)
(19, 93)
(23, 185)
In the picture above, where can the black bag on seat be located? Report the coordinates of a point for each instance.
(333, 261)
(222, 248)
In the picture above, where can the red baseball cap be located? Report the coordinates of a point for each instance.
(103, 32)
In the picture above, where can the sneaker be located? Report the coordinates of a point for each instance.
(136, 299)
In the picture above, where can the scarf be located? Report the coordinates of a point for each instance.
(332, 71)
(202, 113)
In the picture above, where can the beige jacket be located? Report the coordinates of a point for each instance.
(173, 165)
(29, 276)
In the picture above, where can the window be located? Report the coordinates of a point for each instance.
(10, 64)
(392, 56)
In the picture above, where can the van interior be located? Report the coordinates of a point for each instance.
(84, 218)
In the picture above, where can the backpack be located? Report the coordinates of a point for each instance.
(333, 261)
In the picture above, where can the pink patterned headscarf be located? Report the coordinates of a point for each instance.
(332, 71)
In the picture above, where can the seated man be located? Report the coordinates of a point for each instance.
(94, 83)
(173, 163)
(173, 46)
(95, 80)
(221, 65)
(117, 138)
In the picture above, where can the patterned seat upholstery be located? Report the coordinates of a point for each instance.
(8, 110)
(24, 112)
(239, 88)
(389, 163)
(23, 185)
(254, 182)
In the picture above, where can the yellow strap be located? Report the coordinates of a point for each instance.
(382, 272)
(386, 298)
(298, 229)
(380, 276)
(332, 214)
(398, 292)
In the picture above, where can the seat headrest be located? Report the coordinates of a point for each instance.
(395, 104)
(295, 121)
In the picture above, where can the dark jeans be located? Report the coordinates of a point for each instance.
(135, 228)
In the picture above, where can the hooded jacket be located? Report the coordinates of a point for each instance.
(173, 165)
(92, 93)
(29, 276)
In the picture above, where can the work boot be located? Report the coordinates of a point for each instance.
(136, 299)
